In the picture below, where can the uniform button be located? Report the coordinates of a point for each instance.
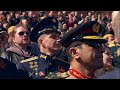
(50, 64)
(36, 74)
(51, 73)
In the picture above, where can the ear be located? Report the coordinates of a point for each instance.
(40, 42)
(73, 52)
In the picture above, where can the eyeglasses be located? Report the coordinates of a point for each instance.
(22, 33)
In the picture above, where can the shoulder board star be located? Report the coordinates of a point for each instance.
(29, 59)
(43, 56)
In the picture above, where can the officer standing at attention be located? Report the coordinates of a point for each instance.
(48, 39)
(84, 47)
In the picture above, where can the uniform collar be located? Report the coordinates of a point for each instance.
(79, 75)
(45, 57)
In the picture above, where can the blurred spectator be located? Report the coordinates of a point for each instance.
(42, 15)
(25, 22)
(109, 29)
(6, 25)
(9, 19)
(51, 14)
(30, 17)
(17, 18)
(3, 42)
(23, 14)
(107, 60)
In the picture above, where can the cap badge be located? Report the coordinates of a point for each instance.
(43, 56)
(96, 27)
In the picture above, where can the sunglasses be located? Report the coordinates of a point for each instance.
(22, 33)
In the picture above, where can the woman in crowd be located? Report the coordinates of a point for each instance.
(107, 60)
(18, 41)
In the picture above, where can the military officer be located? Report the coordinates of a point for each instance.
(48, 39)
(84, 47)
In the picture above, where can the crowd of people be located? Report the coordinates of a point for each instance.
(63, 46)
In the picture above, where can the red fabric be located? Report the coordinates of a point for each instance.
(79, 75)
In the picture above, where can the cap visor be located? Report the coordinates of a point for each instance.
(97, 39)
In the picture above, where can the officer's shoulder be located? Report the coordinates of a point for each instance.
(64, 75)
(113, 43)
(29, 59)
(57, 75)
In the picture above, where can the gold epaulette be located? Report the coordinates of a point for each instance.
(29, 59)
(111, 45)
(58, 75)
(118, 44)
(107, 35)
(64, 75)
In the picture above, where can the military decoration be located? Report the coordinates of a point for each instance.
(31, 65)
(34, 67)
(41, 73)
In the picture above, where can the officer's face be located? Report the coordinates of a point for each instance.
(21, 36)
(51, 41)
(91, 55)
